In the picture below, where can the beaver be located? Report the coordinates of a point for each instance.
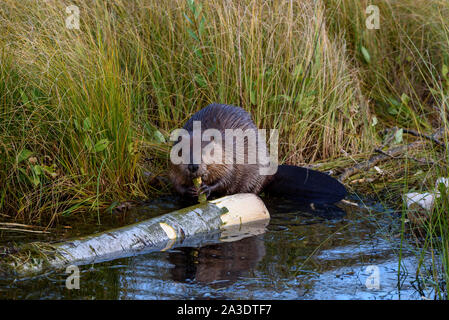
(225, 174)
(220, 178)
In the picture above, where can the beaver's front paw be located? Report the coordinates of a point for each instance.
(192, 191)
(205, 189)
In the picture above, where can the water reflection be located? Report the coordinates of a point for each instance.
(219, 264)
(304, 253)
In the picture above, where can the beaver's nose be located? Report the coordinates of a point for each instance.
(193, 168)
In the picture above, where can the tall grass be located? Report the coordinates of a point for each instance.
(84, 105)
(83, 113)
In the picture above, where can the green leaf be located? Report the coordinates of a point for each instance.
(37, 172)
(23, 155)
(37, 169)
(35, 180)
(158, 136)
(154, 134)
(112, 206)
(398, 136)
(211, 70)
(445, 71)
(101, 145)
(77, 125)
(191, 4)
(36, 94)
(197, 52)
(148, 129)
(392, 110)
(201, 26)
(86, 124)
(405, 99)
(68, 211)
(395, 105)
(24, 97)
(394, 102)
(24, 172)
(87, 143)
(131, 148)
(50, 170)
(252, 97)
(374, 121)
(200, 80)
(197, 11)
(442, 187)
(365, 54)
(192, 34)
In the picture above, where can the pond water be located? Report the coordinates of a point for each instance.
(326, 253)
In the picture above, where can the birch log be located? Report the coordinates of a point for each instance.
(225, 219)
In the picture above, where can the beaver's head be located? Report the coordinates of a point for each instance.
(193, 159)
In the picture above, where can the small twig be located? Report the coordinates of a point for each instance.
(12, 224)
(362, 180)
(23, 230)
(384, 153)
(350, 203)
(423, 135)
(409, 157)
(433, 137)
(378, 158)
(423, 161)
(391, 153)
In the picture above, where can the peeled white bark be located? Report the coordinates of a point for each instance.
(225, 219)
(425, 200)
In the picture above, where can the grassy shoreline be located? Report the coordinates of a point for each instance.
(84, 113)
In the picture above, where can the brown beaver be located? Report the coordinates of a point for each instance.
(220, 178)
(232, 176)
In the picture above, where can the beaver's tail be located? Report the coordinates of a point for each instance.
(305, 185)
